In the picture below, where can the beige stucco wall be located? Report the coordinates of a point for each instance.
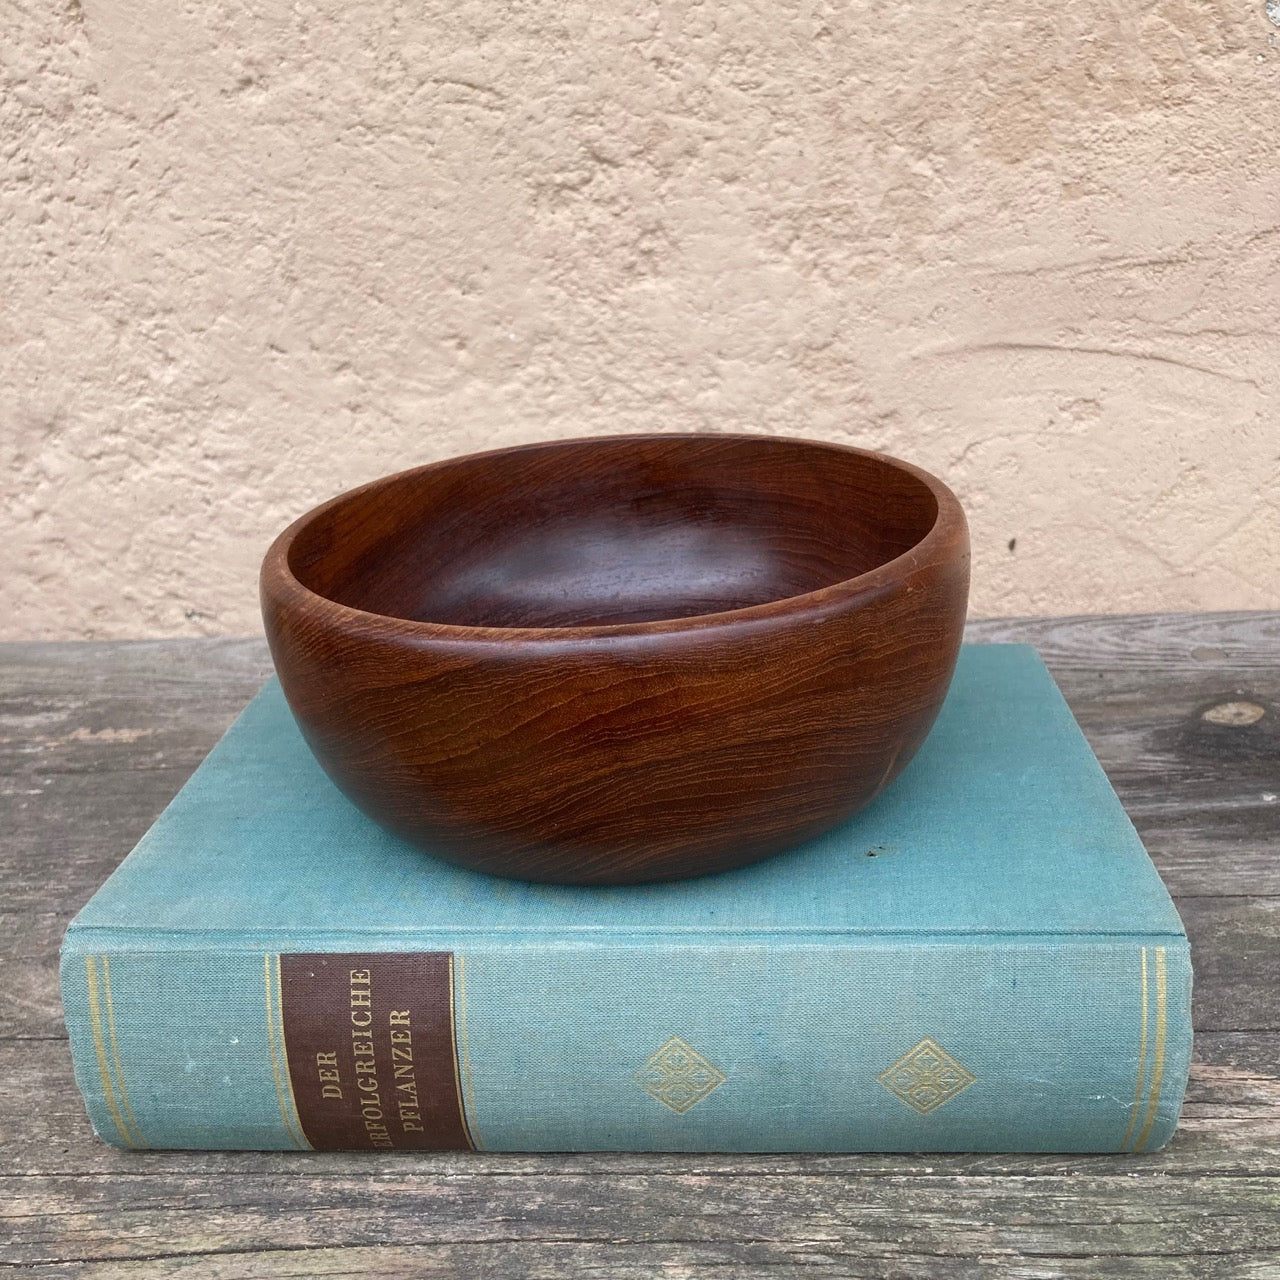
(254, 254)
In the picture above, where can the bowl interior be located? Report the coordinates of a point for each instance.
(597, 532)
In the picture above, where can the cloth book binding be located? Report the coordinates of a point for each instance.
(985, 959)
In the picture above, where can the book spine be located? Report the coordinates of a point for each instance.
(994, 1044)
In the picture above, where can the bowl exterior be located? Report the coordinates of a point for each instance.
(631, 754)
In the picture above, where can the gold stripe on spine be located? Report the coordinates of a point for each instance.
(1136, 1109)
(457, 1065)
(275, 1039)
(296, 1131)
(1157, 1070)
(95, 1019)
(115, 1051)
(462, 1056)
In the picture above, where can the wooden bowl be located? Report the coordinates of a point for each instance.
(625, 658)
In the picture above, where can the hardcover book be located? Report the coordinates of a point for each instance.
(985, 959)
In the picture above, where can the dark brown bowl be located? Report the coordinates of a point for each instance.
(621, 659)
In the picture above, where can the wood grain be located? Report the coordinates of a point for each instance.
(615, 660)
(94, 739)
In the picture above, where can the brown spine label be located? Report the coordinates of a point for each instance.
(371, 1050)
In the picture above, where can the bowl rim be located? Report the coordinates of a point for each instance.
(280, 586)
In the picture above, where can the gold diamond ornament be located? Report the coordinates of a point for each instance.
(926, 1077)
(678, 1076)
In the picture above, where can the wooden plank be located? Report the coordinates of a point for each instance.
(1235, 954)
(1165, 644)
(94, 739)
(526, 1260)
(913, 1224)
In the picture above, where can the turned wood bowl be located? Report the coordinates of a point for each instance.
(621, 659)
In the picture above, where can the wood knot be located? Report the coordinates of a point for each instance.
(1233, 726)
(1235, 713)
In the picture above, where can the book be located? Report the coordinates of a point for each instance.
(985, 959)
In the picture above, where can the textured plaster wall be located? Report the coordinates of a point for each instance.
(254, 254)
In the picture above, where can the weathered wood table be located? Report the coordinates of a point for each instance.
(95, 739)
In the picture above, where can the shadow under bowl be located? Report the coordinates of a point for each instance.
(624, 658)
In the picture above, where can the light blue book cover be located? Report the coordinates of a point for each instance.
(984, 960)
